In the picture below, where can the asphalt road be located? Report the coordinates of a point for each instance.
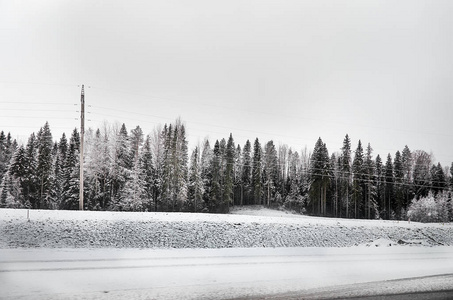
(278, 273)
(427, 287)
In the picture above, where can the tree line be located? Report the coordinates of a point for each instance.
(128, 171)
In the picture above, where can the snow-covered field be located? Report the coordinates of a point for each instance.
(254, 252)
(244, 228)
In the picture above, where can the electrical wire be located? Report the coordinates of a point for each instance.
(179, 101)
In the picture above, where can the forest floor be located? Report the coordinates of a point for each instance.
(244, 227)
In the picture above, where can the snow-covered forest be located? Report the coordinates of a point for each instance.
(126, 170)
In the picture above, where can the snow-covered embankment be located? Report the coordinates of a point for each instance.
(243, 228)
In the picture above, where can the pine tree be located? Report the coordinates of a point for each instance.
(257, 173)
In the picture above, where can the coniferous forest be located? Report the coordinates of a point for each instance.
(130, 171)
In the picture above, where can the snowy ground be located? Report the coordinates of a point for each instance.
(250, 253)
(244, 228)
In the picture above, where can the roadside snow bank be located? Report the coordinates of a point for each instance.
(243, 228)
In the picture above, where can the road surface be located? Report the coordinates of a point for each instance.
(260, 273)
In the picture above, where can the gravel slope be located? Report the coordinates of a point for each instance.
(244, 228)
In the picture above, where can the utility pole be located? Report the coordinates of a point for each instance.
(82, 133)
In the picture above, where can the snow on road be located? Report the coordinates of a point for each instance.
(207, 273)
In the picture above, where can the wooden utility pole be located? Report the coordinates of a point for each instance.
(82, 133)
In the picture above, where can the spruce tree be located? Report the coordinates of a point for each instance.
(451, 177)
(228, 175)
(148, 169)
(19, 174)
(246, 176)
(380, 186)
(71, 174)
(320, 173)
(3, 157)
(389, 186)
(334, 183)
(60, 165)
(270, 166)
(408, 191)
(215, 196)
(294, 199)
(206, 172)
(370, 184)
(179, 167)
(195, 187)
(30, 180)
(132, 196)
(257, 173)
(238, 164)
(136, 140)
(282, 166)
(358, 181)
(422, 175)
(44, 166)
(398, 187)
(345, 169)
(121, 166)
(438, 179)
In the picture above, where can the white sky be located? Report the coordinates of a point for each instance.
(290, 71)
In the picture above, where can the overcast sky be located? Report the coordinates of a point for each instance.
(290, 71)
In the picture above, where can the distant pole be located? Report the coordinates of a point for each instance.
(82, 133)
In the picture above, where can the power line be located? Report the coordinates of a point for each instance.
(208, 125)
(273, 114)
(36, 103)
